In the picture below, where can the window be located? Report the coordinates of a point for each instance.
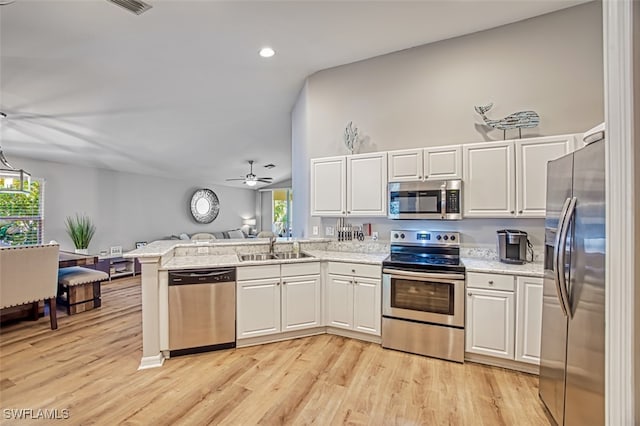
(21, 216)
(282, 199)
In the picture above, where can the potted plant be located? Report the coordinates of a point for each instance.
(81, 230)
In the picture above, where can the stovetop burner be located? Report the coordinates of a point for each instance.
(425, 251)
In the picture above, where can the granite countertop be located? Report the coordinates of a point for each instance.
(228, 260)
(163, 247)
(477, 264)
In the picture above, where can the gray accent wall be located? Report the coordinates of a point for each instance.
(127, 207)
(424, 96)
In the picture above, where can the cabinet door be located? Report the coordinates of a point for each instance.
(367, 305)
(405, 165)
(301, 302)
(443, 162)
(328, 184)
(339, 301)
(532, 156)
(529, 323)
(258, 305)
(489, 179)
(367, 184)
(490, 323)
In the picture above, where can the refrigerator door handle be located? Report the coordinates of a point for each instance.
(556, 255)
(562, 283)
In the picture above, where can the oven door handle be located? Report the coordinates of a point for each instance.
(422, 276)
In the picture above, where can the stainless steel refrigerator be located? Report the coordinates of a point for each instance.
(572, 348)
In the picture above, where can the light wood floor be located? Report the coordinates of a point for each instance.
(89, 366)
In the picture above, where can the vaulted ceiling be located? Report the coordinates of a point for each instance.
(181, 90)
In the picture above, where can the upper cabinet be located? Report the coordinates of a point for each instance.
(353, 185)
(509, 178)
(436, 163)
(328, 186)
(367, 184)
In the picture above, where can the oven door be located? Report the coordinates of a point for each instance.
(415, 201)
(423, 296)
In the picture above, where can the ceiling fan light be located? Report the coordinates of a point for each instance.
(12, 180)
(251, 182)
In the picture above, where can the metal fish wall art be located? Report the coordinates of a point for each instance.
(517, 120)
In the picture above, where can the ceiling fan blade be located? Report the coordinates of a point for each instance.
(235, 179)
(264, 180)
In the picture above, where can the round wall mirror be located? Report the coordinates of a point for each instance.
(204, 205)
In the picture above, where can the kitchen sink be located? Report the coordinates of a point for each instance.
(256, 256)
(292, 255)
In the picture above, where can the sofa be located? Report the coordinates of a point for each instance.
(205, 236)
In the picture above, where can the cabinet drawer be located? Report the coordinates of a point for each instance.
(355, 269)
(258, 272)
(490, 281)
(305, 268)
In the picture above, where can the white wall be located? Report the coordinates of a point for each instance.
(128, 207)
(424, 96)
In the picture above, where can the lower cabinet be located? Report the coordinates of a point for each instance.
(353, 301)
(271, 300)
(490, 322)
(529, 321)
(504, 316)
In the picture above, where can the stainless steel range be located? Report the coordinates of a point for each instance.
(423, 294)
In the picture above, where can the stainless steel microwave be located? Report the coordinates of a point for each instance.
(426, 200)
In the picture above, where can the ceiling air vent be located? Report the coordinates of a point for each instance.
(134, 6)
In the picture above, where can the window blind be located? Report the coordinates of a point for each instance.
(21, 216)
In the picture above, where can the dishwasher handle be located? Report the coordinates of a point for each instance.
(202, 276)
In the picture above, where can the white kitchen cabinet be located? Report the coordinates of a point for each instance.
(339, 301)
(444, 162)
(366, 305)
(353, 299)
(301, 303)
(276, 298)
(258, 307)
(509, 178)
(434, 163)
(328, 186)
(529, 319)
(532, 156)
(490, 322)
(367, 184)
(405, 165)
(489, 179)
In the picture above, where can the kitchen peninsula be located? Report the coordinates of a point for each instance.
(159, 257)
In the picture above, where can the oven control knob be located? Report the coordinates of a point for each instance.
(402, 236)
(439, 237)
(446, 237)
(395, 235)
(453, 238)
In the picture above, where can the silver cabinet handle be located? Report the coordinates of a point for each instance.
(520, 212)
(284, 283)
(469, 294)
(419, 177)
(353, 271)
(491, 282)
(512, 211)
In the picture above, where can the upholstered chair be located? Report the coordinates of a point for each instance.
(29, 274)
(266, 234)
(202, 236)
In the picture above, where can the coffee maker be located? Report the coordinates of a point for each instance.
(513, 245)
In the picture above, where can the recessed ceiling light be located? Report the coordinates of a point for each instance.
(267, 52)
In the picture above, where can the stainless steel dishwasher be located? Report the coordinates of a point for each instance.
(202, 310)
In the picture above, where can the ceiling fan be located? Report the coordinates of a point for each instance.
(252, 180)
(135, 6)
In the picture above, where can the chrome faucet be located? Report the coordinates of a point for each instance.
(272, 242)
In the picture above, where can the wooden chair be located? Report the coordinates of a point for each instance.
(29, 274)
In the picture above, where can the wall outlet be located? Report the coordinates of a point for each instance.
(203, 250)
(374, 235)
(329, 231)
(315, 230)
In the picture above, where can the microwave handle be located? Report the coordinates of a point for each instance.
(443, 200)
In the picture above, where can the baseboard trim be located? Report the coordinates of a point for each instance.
(151, 362)
(354, 335)
(503, 363)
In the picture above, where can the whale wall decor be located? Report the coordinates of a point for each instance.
(517, 120)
